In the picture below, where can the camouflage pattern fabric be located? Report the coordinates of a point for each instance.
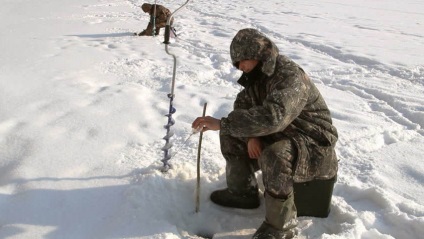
(240, 169)
(282, 103)
(161, 16)
(275, 162)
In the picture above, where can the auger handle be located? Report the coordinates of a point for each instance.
(167, 34)
(168, 23)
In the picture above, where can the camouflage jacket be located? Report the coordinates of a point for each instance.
(162, 14)
(282, 102)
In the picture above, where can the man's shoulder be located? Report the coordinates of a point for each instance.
(283, 59)
(285, 64)
(162, 7)
(288, 72)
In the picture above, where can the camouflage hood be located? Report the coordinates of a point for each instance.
(249, 44)
(146, 7)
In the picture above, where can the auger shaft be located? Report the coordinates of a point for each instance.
(154, 20)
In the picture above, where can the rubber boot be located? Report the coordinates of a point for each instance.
(227, 198)
(143, 33)
(280, 219)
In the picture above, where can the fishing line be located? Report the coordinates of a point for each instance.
(194, 131)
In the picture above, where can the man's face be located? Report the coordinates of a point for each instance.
(247, 65)
(145, 8)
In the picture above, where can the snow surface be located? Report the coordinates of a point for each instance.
(82, 105)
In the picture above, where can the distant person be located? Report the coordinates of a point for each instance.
(281, 125)
(162, 14)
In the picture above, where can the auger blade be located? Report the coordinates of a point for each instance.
(167, 146)
(166, 158)
(172, 110)
(166, 167)
(168, 135)
(170, 123)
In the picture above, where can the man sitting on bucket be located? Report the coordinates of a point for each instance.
(281, 125)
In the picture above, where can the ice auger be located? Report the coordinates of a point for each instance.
(171, 96)
(153, 20)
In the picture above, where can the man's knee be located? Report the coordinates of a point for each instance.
(276, 164)
(232, 145)
(281, 152)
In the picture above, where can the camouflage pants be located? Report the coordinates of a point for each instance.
(158, 25)
(275, 163)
